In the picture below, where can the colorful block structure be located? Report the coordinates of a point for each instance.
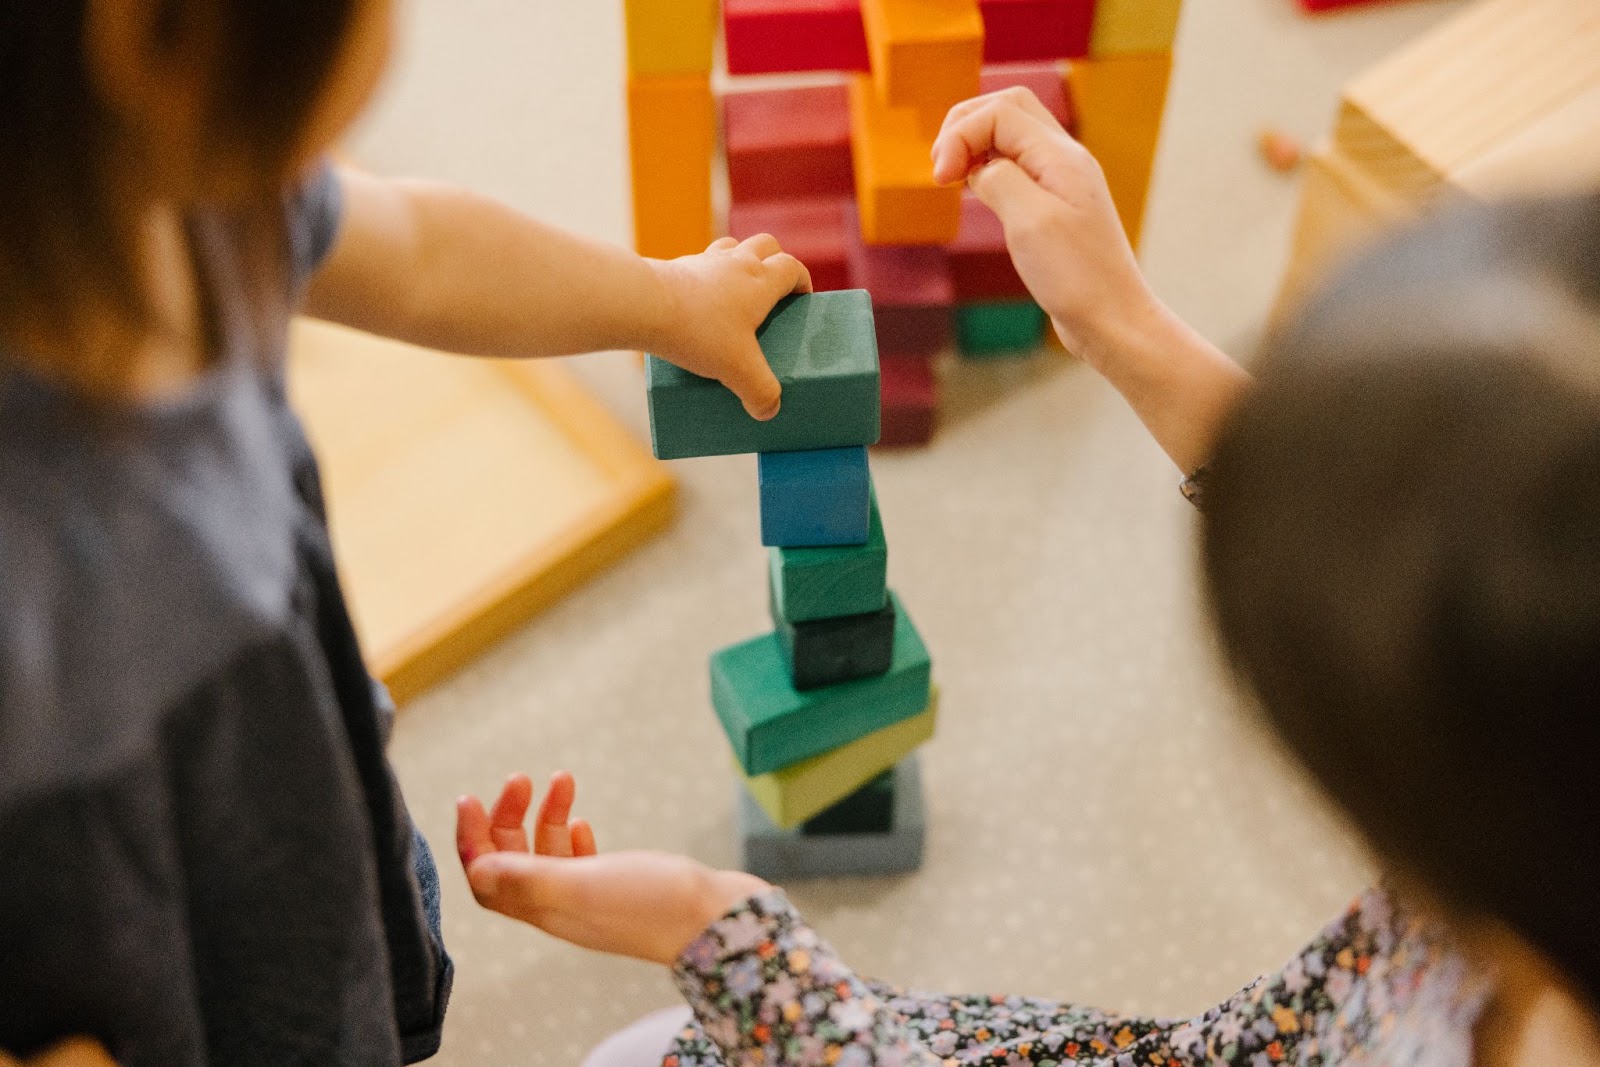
(840, 172)
(823, 713)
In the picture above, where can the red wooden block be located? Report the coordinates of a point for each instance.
(768, 36)
(980, 266)
(1330, 5)
(910, 400)
(812, 230)
(1024, 30)
(897, 275)
(913, 331)
(1045, 79)
(785, 143)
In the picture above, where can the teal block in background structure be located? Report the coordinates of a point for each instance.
(819, 497)
(790, 855)
(825, 583)
(824, 349)
(1013, 327)
(771, 725)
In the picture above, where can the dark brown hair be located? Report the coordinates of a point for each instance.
(1402, 547)
(60, 237)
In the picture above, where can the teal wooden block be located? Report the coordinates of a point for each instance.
(1007, 328)
(824, 350)
(771, 725)
(790, 855)
(826, 583)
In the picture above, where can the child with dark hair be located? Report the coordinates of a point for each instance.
(1401, 538)
(207, 858)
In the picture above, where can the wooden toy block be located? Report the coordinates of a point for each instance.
(771, 724)
(825, 583)
(796, 793)
(1120, 102)
(895, 191)
(669, 37)
(672, 133)
(1019, 31)
(827, 652)
(980, 263)
(910, 401)
(788, 855)
(913, 331)
(1134, 27)
(772, 36)
(811, 230)
(925, 54)
(824, 352)
(1045, 79)
(897, 275)
(785, 143)
(1013, 327)
(869, 810)
(815, 498)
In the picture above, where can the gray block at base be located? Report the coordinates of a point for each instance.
(790, 856)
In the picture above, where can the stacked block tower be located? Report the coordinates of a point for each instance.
(823, 713)
(838, 169)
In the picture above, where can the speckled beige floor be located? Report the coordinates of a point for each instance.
(1105, 827)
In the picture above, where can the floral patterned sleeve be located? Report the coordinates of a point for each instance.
(1375, 986)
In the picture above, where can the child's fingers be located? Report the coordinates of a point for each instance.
(1011, 193)
(751, 378)
(762, 245)
(550, 834)
(472, 830)
(583, 838)
(996, 128)
(722, 244)
(1016, 95)
(788, 274)
(509, 812)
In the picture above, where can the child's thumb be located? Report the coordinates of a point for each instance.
(755, 384)
(1009, 191)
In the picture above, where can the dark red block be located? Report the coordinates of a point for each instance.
(980, 266)
(785, 143)
(913, 331)
(1047, 81)
(768, 36)
(1330, 5)
(897, 275)
(910, 399)
(812, 230)
(1019, 31)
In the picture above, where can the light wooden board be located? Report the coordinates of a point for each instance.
(464, 495)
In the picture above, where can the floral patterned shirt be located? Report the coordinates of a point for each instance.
(1375, 987)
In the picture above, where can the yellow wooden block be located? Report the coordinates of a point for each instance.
(899, 202)
(668, 37)
(925, 53)
(672, 134)
(1456, 94)
(1119, 102)
(1134, 27)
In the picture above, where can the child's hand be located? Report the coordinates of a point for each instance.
(1061, 225)
(716, 300)
(647, 905)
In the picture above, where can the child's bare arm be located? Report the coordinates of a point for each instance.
(442, 267)
(1067, 243)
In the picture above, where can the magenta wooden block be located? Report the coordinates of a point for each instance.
(1022, 30)
(897, 275)
(769, 36)
(786, 143)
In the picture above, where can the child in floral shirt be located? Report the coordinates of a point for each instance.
(1400, 547)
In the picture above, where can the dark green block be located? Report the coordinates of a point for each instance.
(869, 810)
(771, 724)
(823, 348)
(829, 651)
(1010, 327)
(825, 583)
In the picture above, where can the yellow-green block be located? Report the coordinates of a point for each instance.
(1132, 27)
(795, 793)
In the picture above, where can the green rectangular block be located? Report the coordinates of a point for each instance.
(1012, 327)
(793, 794)
(826, 583)
(824, 349)
(869, 810)
(771, 725)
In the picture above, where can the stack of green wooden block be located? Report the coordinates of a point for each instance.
(825, 712)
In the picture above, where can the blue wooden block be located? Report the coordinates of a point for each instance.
(790, 856)
(836, 580)
(815, 498)
(824, 349)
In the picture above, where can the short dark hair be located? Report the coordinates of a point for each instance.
(1402, 551)
(60, 238)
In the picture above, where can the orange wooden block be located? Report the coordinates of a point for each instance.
(672, 134)
(925, 53)
(899, 202)
(669, 37)
(1120, 102)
